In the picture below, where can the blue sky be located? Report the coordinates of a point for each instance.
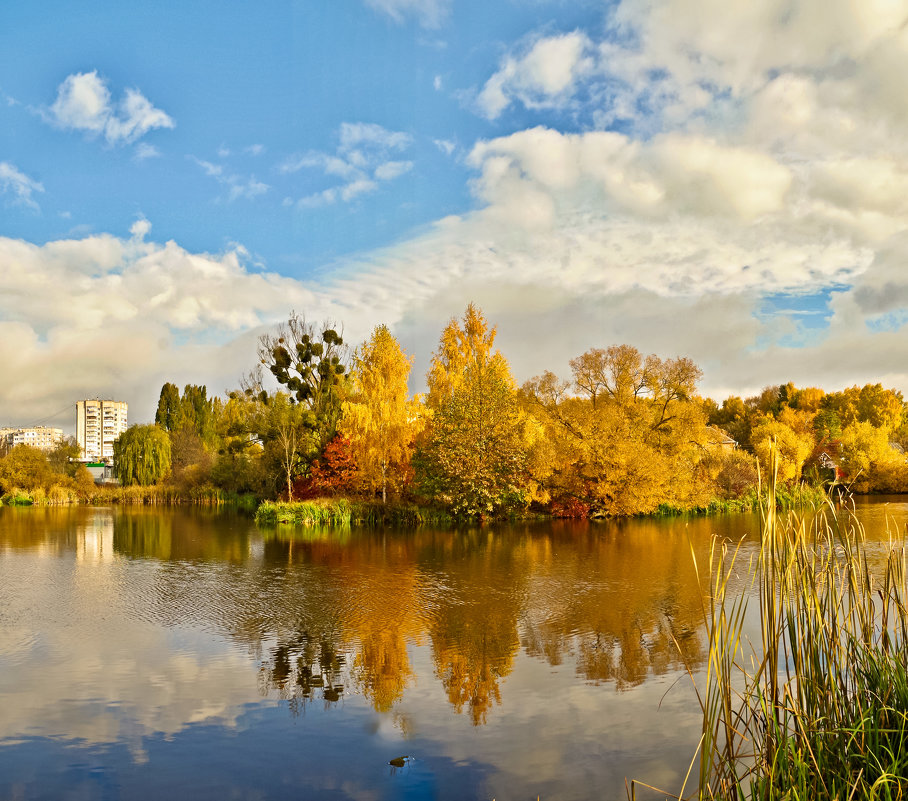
(249, 89)
(175, 178)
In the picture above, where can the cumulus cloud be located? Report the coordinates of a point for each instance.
(364, 159)
(17, 187)
(84, 104)
(103, 314)
(429, 13)
(544, 75)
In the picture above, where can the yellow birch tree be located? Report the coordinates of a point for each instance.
(380, 420)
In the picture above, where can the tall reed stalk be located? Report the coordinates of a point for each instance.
(815, 705)
(818, 707)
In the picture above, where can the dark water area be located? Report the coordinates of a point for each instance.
(188, 654)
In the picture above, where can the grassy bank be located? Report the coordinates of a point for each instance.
(817, 706)
(156, 495)
(788, 499)
(343, 512)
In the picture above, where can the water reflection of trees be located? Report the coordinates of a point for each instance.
(302, 668)
(324, 614)
(476, 592)
(195, 534)
(625, 604)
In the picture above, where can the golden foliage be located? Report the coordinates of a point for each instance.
(380, 420)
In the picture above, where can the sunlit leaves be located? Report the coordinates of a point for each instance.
(380, 420)
(474, 458)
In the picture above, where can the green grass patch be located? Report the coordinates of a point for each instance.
(802, 497)
(344, 512)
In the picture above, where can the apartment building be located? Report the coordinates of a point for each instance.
(40, 437)
(98, 424)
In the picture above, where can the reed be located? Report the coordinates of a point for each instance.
(816, 705)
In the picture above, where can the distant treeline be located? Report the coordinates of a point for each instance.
(624, 434)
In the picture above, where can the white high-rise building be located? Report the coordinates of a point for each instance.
(42, 437)
(98, 424)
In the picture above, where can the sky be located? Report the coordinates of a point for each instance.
(723, 181)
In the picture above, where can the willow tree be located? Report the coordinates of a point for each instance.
(141, 455)
(474, 456)
(380, 420)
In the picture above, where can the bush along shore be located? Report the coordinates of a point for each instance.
(815, 705)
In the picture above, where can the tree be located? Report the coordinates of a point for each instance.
(633, 439)
(792, 448)
(24, 467)
(285, 432)
(142, 455)
(624, 377)
(332, 473)
(458, 347)
(474, 458)
(866, 455)
(64, 458)
(198, 413)
(380, 420)
(310, 363)
(167, 415)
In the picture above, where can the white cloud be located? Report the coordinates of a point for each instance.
(392, 169)
(545, 75)
(140, 228)
(446, 146)
(254, 150)
(146, 151)
(104, 314)
(236, 185)
(430, 13)
(84, 104)
(250, 189)
(436, 83)
(18, 187)
(362, 161)
(355, 134)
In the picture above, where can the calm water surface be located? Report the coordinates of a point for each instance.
(182, 654)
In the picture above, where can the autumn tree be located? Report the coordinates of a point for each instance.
(380, 421)
(771, 437)
(632, 438)
(24, 467)
(141, 455)
(869, 461)
(473, 459)
(332, 473)
(459, 347)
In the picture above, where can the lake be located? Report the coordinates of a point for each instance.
(188, 654)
